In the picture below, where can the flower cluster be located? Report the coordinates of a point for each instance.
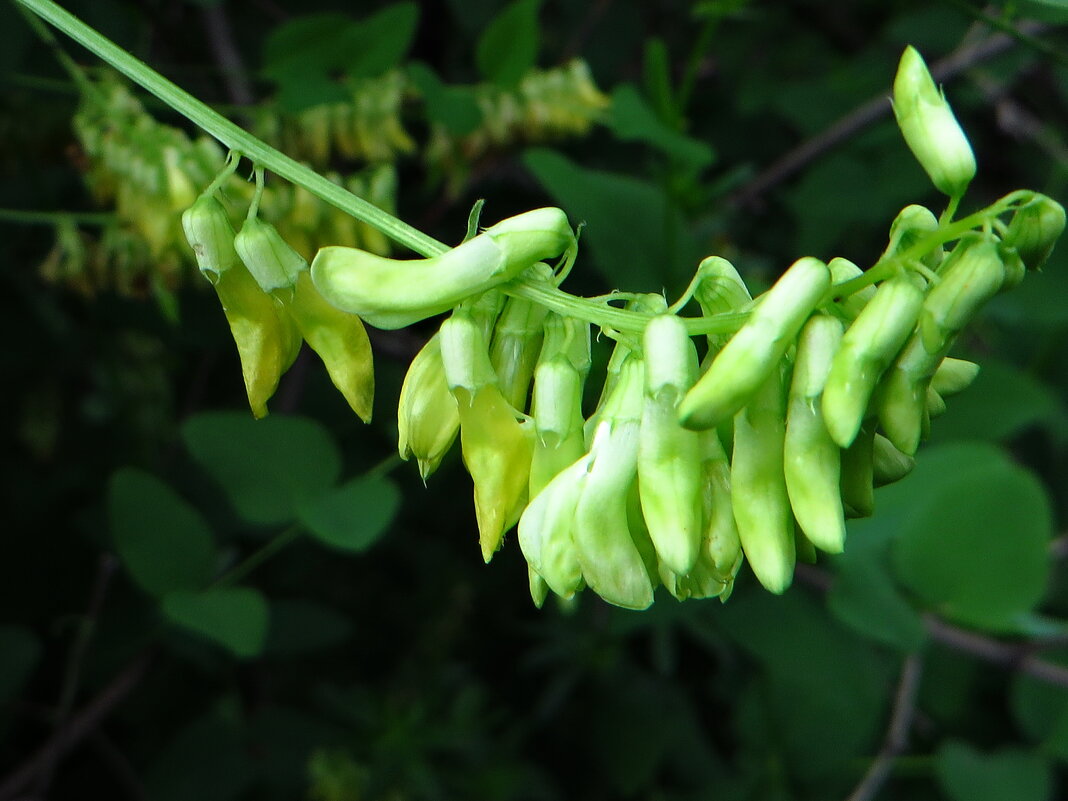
(755, 443)
(149, 171)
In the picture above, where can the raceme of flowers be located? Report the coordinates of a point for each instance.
(753, 444)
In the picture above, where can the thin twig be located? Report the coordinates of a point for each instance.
(106, 568)
(897, 733)
(79, 726)
(868, 112)
(1011, 656)
(1018, 122)
(121, 769)
(227, 56)
(1016, 657)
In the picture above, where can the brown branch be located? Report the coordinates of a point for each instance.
(80, 726)
(868, 112)
(227, 56)
(1018, 122)
(106, 568)
(1011, 656)
(896, 735)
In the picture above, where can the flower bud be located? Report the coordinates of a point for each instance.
(721, 290)
(209, 232)
(517, 339)
(1035, 229)
(811, 459)
(427, 418)
(972, 274)
(843, 270)
(888, 463)
(953, 376)
(931, 131)
(910, 226)
(557, 399)
(392, 294)
(868, 347)
(747, 360)
(496, 447)
(611, 562)
(272, 262)
(545, 530)
(465, 356)
(669, 456)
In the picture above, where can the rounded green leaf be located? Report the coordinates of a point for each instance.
(975, 543)
(509, 45)
(1009, 775)
(163, 542)
(233, 617)
(299, 626)
(865, 598)
(353, 516)
(19, 654)
(267, 468)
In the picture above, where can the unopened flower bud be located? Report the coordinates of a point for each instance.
(427, 418)
(208, 230)
(930, 129)
(270, 259)
(1035, 229)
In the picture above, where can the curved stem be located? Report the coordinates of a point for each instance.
(265, 156)
(883, 269)
(231, 135)
(610, 317)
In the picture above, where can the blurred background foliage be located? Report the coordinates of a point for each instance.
(194, 605)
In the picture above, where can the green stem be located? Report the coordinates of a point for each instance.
(883, 269)
(951, 209)
(384, 467)
(605, 316)
(258, 557)
(265, 156)
(26, 217)
(72, 68)
(230, 134)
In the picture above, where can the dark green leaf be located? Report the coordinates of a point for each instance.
(633, 120)
(975, 543)
(313, 43)
(353, 516)
(508, 47)
(162, 541)
(300, 626)
(865, 597)
(379, 42)
(638, 240)
(1053, 11)
(826, 688)
(233, 617)
(306, 56)
(1008, 775)
(267, 468)
(454, 107)
(1041, 708)
(1002, 401)
(1038, 302)
(207, 760)
(19, 653)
